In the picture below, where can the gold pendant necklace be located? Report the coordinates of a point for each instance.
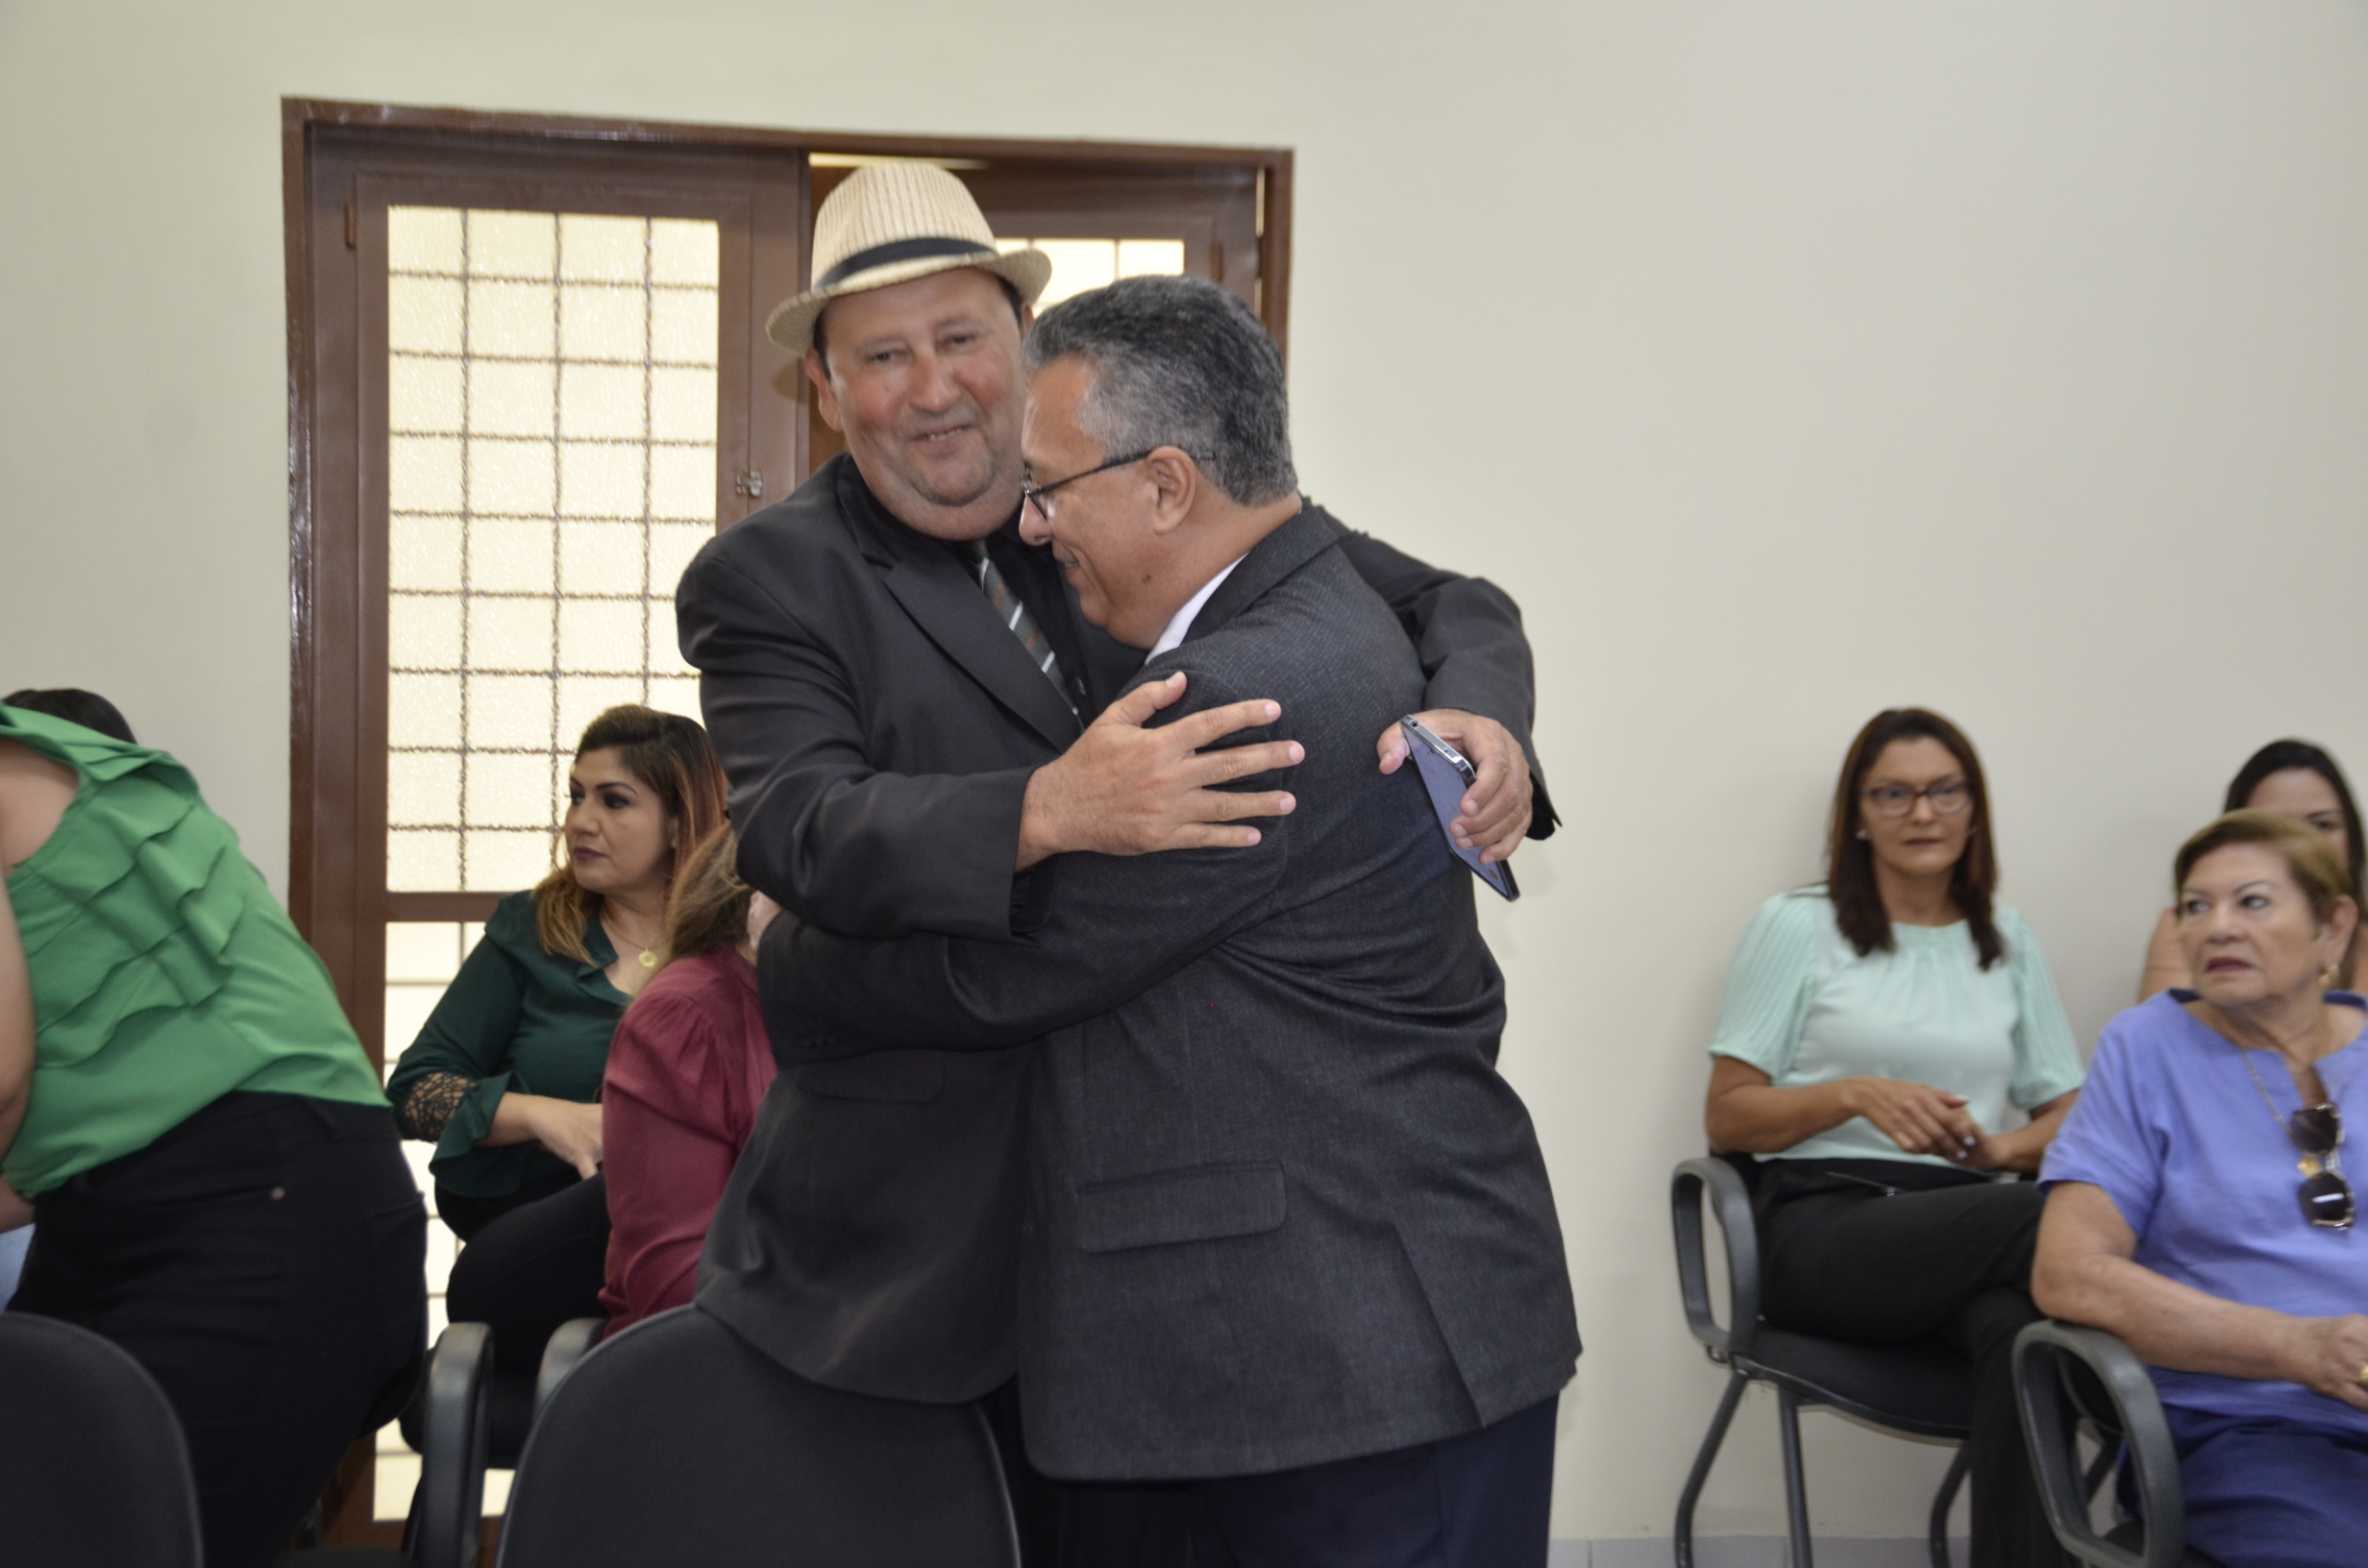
(649, 958)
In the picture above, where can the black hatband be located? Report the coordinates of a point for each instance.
(899, 250)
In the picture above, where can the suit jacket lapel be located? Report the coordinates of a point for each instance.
(1270, 560)
(945, 601)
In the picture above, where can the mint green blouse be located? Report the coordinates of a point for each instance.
(1804, 1008)
(164, 974)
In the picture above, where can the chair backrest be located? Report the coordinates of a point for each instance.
(2051, 1361)
(92, 1465)
(675, 1441)
(1730, 1202)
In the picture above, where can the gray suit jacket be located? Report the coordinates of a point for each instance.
(1283, 1209)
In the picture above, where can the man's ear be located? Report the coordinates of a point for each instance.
(1176, 479)
(826, 401)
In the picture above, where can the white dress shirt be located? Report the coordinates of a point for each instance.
(1182, 621)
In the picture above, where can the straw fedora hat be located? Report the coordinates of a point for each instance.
(890, 223)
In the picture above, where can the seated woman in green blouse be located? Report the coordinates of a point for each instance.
(1873, 1034)
(504, 1076)
(189, 1116)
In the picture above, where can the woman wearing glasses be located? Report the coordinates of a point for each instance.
(1875, 1030)
(2196, 1204)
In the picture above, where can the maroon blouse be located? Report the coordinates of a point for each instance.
(688, 1067)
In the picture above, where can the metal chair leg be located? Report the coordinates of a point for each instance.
(1702, 1462)
(1796, 1488)
(1945, 1499)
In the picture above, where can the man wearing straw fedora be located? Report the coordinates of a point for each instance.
(918, 723)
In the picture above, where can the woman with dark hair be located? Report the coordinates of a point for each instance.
(2293, 778)
(1874, 1033)
(689, 1065)
(189, 1116)
(75, 706)
(505, 1075)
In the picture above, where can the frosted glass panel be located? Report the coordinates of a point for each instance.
(423, 553)
(683, 251)
(511, 399)
(613, 249)
(682, 325)
(1150, 258)
(551, 470)
(598, 322)
(1080, 264)
(423, 239)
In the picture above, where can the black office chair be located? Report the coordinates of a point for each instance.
(675, 1441)
(519, 1369)
(450, 1425)
(1921, 1390)
(94, 1468)
(2063, 1374)
(446, 1529)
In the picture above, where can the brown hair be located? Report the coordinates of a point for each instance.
(670, 756)
(1850, 860)
(709, 906)
(2309, 856)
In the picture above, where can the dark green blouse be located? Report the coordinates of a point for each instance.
(514, 1018)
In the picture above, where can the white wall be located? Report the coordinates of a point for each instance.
(1786, 360)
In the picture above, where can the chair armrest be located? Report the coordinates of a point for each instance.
(451, 1464)
(2041, 1352)
(1740, 1232)
(569, 1344)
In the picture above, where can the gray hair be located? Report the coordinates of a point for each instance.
(1178, 363)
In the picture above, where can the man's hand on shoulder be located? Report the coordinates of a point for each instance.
(1496, 807)
(1125, 790)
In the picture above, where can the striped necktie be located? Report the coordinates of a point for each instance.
(1014, 614)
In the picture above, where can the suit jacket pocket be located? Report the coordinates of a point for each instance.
(1200, 1203)
(897, 1077)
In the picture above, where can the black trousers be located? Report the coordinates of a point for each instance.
(1945, 1258)
(532, 1268)
(265, 1261)
(1477, 1501)
(464, 1215)
(1086, 1524)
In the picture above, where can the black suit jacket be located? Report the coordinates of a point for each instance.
(1283, 1208)
(878, 725)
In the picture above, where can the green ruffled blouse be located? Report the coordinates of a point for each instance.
(164, 974)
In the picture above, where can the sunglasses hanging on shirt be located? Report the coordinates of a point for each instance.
(2326, 1196)
(2317, 1131)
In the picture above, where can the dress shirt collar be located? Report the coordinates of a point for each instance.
(1182, 621)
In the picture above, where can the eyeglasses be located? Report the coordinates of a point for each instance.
(2326, 1196)
(1033, 494)
(1949, 796)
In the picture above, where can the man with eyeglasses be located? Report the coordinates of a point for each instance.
(916, 722)
(1290, 1234)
